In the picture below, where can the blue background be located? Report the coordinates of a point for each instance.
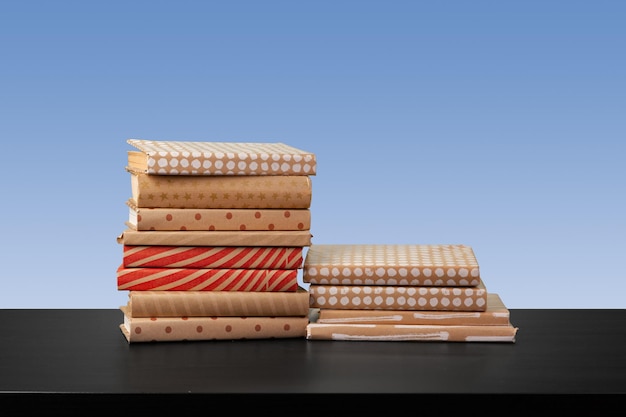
(496, 124)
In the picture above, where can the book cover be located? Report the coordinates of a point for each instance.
(216, 219)
(219, 158)
(405, 265)
(386, 297)
(220, 192)
(173, 329)
(193, 279)
(281, 238)
(496, 314)
(218, 303)
(238, 257)
(411, 333)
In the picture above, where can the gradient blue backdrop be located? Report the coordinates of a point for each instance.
(497, 124)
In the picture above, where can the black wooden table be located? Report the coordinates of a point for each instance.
(77, 360)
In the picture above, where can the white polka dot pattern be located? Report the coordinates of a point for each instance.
(223, 158)
(398, 298)
(402, 265)
(495, 314)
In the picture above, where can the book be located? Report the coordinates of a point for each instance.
(496, 314)
(237, 257)
(411, 332)
(281, 238)
(398, 265)
(176, 329)
(218, 303)
(387, 297)
(157, 218)
(220, 192)
(219, 158)
(196, 279)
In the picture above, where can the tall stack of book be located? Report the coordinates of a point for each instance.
(214, 241)
(401, 293)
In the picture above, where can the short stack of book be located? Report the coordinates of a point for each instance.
(214, 241)
(400, 292)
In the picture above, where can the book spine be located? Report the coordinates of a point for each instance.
(244, 257)
(389, 278)
(219, 219)
(394, 265)
(410, 333)
(216, 238)
(163, 329)
(221, 192)
(217, 303)
(398, 298)
(467, 318)
(189, 158)
(192, 279)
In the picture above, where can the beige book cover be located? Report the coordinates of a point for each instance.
(389, 264)
(173, 329)
(496, 314)
(217, 303)
(386, 297)
(216, 219)
(216, 238)
(220, 192)
(411, 333)
(219, 158)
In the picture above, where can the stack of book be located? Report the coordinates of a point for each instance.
(214, 241)
(401, 293)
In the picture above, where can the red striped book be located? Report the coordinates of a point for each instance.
(206, 279)
(216, 257)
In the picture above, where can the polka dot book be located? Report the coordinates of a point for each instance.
(398, 297)
(496, 314)
(173, 329)
(216, 219)
(219, 158)
(401, 265)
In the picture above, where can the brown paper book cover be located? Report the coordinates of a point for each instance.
(403, 265)
(231, 257)
(281, 238)
(219, 158)
(386, 297)
(496, 314)
(411, 333)
(174, 329)
(220, 192)
(217, 219)
(194, 279)
(218, 303)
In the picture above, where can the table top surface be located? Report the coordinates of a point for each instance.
(557, 351)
